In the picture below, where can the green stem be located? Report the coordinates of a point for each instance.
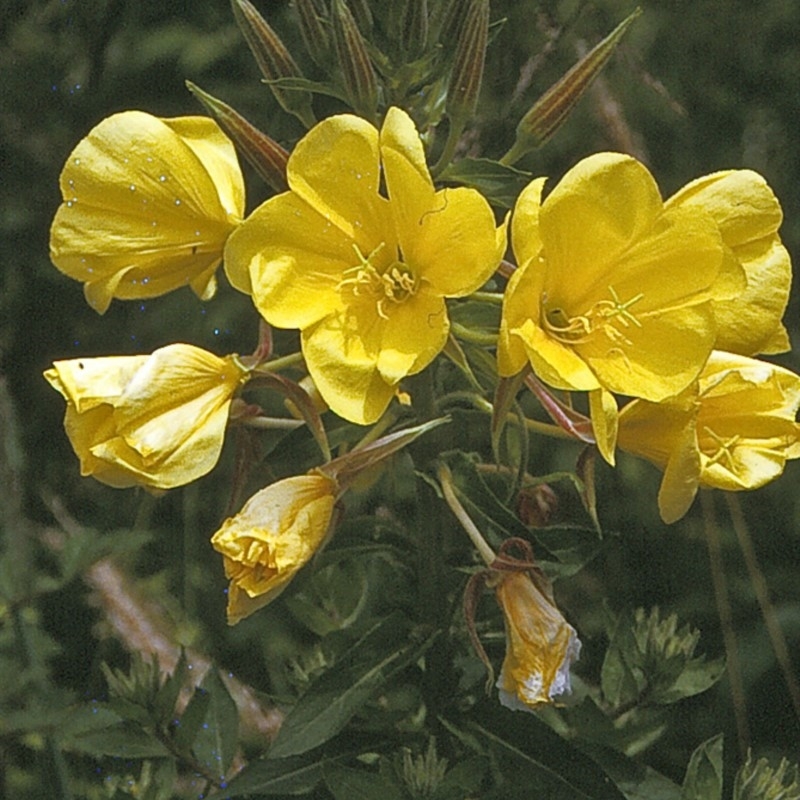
(469, 335)
(453, 136)
(481, 545)
(277, 364)
(496, 298)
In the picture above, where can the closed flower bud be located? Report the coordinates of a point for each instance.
(314, 33)
(358, 74)
(148, 205)
(273, 59)
(536, 505)
(467, 72)
(156, 421)
(550, 111)
(264, 154)
(274, 535)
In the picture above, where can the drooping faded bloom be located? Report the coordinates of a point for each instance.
(155, 420)
(540, 644)
(363, 275)
(748, 216)
(736, 433)
(148, 204)
(275, 534)
(613, 290)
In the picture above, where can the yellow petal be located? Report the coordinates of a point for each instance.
(602, 206)
(525, 238)
(400, 143)
(142, 213)
(291, 259)
(603, 409)
(345, 373)
(412, 336)
(335, 169)
(681, 476)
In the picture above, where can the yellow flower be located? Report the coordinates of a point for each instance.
(148, 205)
(156, 421)
(364, 276)
(736, 433)
(275, 534)
(748, 215)
(613, 290)
(541, 645)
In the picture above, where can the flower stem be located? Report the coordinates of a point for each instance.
(469, 335)
(481, 545)
(726, 621)
(277, 364)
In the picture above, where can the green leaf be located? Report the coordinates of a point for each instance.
(216, 741)
(345, 783)
(534, 761)
(636, 781)
(339, 693)
(463, 780)
(697, 676)
(275, 776)
(703, 780)
(125, 740)
(188, 726)
(498, 183)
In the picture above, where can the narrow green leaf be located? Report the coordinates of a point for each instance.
(345, 783)
(703, 780)
(275, 776)
(534, 761)
(636, 781)
(498, 183)
(217, 738)
(125, 740)
(191, 719)
(340, 692)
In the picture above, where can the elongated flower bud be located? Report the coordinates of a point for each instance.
(550, 111)
(265, 155)
(273, 59)
(314, 33)
(361, 14)
(358, 74)
(465, 79)
(414, 32)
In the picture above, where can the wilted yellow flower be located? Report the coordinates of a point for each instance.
(748, 215)
(148, 205)
(275, 534)
(540, 644)
(364, 277)
(736, 433)
(613, 290)
(156, 421)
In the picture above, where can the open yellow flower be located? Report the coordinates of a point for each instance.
(156, 420)
(540, 644)
(613, 290)
(748, 215)
(362, 275)
(148, 205)
(736, 433)
(275, 534)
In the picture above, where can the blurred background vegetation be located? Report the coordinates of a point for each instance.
(695, 87)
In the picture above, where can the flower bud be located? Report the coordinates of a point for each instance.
(274, 535)
(358, 74)
(550, 111)
(314, 33)
(414, 31)
(467, 72)
(264, 154)
(274, 60)
(536, 505)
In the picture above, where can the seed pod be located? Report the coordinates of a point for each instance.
(315, 35)
(465, 79)
(414, 32)
(358, 74)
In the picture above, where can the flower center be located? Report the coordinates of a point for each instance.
(607, 316)
(722, 450)
(390, 284)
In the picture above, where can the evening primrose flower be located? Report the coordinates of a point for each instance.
(362, 275)
(147, 206)
(748, 216)
(275, 534)
(154, 420)
(613, 289)
(735, 433)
